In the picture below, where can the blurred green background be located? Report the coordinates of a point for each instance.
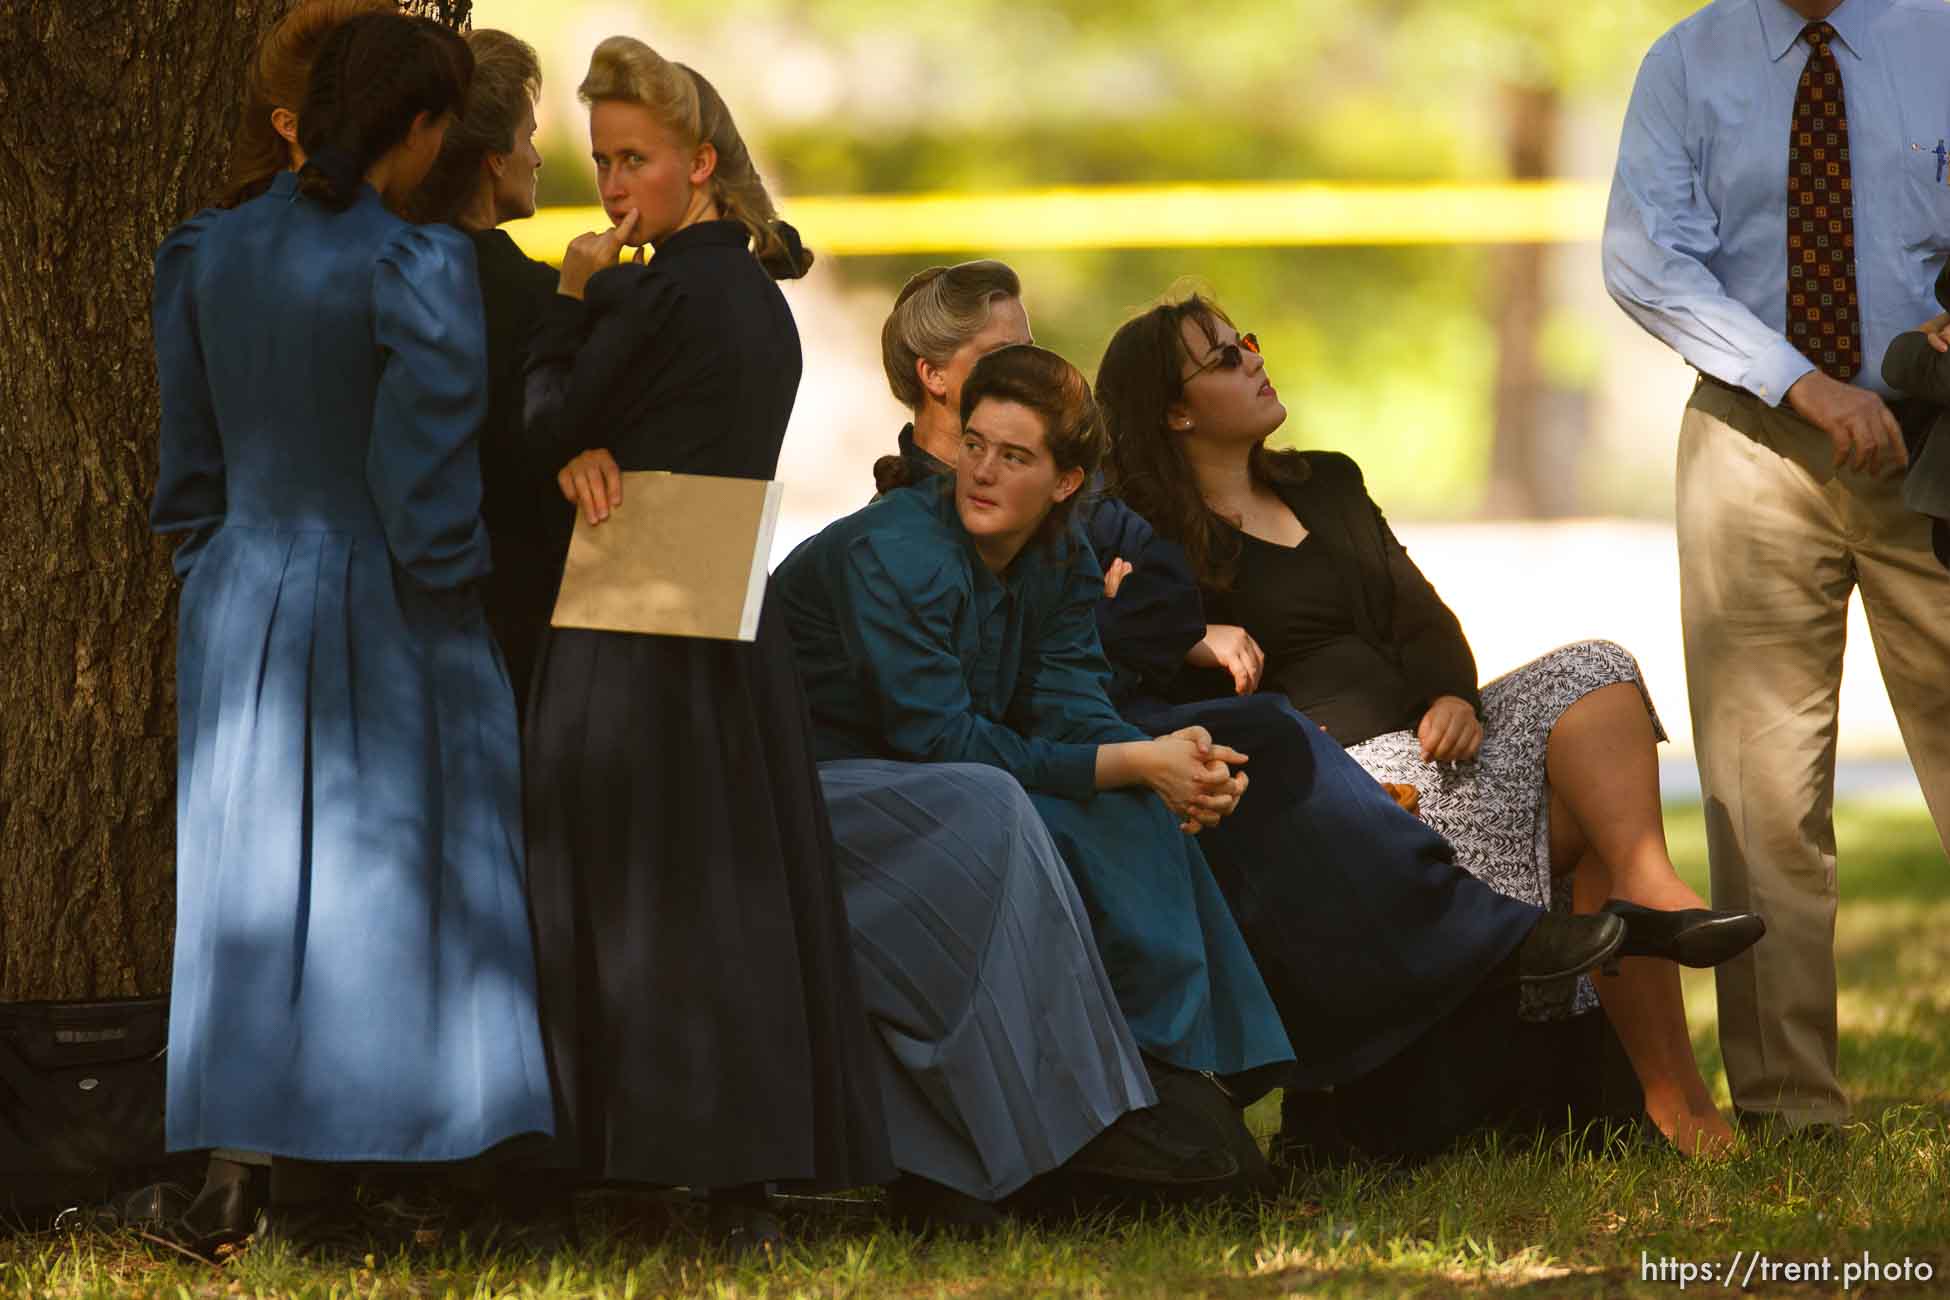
(1469, 379)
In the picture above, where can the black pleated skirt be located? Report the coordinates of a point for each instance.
(699, 1000)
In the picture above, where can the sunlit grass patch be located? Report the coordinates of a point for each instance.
(1543, 1217)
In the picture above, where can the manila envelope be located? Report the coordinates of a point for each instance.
(684, 555)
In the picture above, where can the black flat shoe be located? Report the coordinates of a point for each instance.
(1563, 944)
(923, 1206)
(747, 1233)
(1694, 936)
(1141, 1149)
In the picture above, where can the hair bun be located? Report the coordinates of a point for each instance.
(891, 473)
(792, 259)
(339, 170)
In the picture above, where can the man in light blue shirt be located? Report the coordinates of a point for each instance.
(1778, 216)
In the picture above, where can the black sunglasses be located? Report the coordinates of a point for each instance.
(1231, 356)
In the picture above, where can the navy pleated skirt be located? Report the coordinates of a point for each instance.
(699, 1000)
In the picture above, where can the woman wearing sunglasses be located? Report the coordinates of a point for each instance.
(1545, 781)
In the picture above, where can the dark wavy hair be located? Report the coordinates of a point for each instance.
(373, 76)
(279, 73)
(1141, 375)
(1045, 383)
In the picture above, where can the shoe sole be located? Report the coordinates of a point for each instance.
(1711, 942)
(1607, 953)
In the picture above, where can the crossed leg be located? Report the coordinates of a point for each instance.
(1607, 830)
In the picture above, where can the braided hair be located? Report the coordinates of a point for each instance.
(372, 78)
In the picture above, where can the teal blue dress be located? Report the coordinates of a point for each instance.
(911, 649)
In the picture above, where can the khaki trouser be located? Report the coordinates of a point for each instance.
(1772, 541)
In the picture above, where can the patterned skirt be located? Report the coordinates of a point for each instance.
(1495, 811)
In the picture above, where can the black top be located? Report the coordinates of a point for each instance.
(1412, 649)
(528, 521)
(1294, 601)
(689, 363)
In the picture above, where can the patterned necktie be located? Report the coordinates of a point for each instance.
(1822, 319)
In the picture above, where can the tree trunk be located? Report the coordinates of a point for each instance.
(115, 124)
(1530, 456)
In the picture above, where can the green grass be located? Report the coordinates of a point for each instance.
(1541, 1217)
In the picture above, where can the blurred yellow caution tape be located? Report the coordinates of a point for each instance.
(1160, 216)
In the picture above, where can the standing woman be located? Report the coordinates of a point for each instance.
(266, 144)
(267, 133)
(353, 978)
(486, 176)
(704, 1018)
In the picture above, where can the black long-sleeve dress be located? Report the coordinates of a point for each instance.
(700, 1002)
(528, 522)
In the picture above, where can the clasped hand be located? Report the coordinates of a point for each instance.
(1194, 777)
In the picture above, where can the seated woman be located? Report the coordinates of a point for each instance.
(1319, 851)
(1545, 782)
(955, 626)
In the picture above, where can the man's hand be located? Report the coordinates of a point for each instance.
(1864, 432)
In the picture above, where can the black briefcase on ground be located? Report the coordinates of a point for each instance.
(81, 1099)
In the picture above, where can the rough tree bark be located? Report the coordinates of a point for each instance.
(115, 124)
(1530, 456)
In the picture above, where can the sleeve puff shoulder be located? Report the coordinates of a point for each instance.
(583, 347)
(190, 494)
(423, 467)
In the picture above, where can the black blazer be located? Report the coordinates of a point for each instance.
(1397, 611)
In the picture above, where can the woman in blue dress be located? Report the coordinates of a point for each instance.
(956, 626)
(353, 976)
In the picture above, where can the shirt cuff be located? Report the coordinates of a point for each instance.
(1775, 371)
(1071, 771)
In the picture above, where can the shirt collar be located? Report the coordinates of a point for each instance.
(919, 458)
(1781, 26)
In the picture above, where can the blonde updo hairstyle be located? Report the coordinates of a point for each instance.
(624, 68)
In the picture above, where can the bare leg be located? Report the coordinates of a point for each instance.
(1603, 767)
(1605, 818)
(1648, 1011)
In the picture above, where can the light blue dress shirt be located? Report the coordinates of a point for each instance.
(1695, 245)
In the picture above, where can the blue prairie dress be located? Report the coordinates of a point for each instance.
(353, 975)
(912, 650)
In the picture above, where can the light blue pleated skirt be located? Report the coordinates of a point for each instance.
(1002, 1047)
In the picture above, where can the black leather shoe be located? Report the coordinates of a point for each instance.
(1563, 944)
(927, 1207)
(1138, 1147)
(747, 1233)
(1694, 936)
